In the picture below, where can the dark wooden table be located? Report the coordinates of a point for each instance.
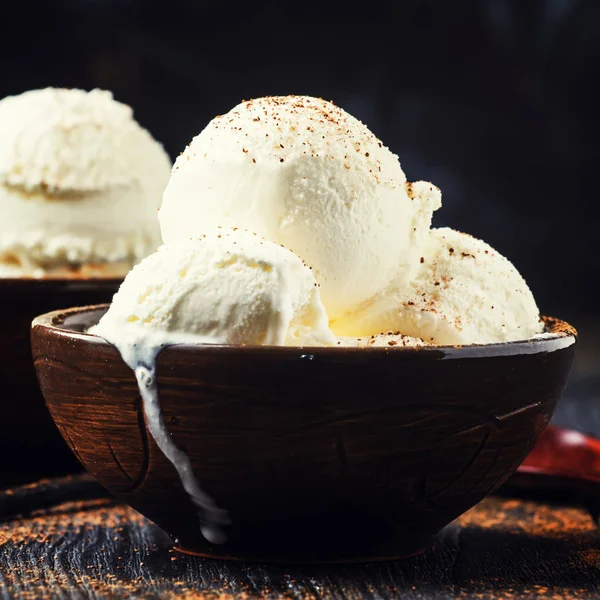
(505, 548)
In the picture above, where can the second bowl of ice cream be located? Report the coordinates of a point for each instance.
(305, 369)
(80, 184)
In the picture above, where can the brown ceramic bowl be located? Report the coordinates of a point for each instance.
(318, 454)
(27, 434)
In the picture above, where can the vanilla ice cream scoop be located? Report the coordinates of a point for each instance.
(227, 287)
(464, 293)
(231, 287)
(80, 183)
(304, 173)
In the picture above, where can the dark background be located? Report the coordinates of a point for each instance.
(495, 101)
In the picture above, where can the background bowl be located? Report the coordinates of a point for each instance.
(318, 454)
(28, 437)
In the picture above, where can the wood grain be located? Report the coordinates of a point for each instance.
(503, 549)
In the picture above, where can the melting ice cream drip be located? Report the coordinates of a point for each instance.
(211, 516)
(140, 354)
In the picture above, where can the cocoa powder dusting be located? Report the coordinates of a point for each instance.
(561, 555)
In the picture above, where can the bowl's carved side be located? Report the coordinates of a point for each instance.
(465, 466)
(138, 477)
(110, 440)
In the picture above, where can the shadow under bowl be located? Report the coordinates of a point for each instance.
(317, 454)
(27, 434)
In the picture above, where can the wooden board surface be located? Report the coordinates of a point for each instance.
(504, 548)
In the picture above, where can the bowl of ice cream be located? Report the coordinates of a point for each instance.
(305, 370)
(301, 454)
(80, 184)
